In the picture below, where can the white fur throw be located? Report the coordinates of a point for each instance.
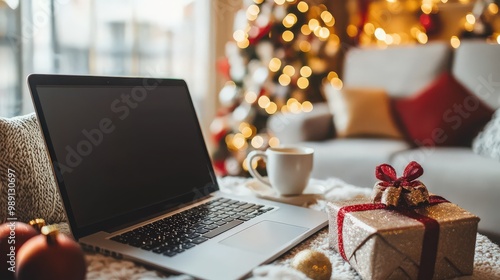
(487, 142)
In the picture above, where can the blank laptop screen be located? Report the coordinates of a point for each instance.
(119, 148)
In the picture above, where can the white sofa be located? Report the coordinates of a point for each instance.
(457, 173)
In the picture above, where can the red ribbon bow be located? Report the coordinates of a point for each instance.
(404, 191)
(387, 174)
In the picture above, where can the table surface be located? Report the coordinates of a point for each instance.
(486, 261)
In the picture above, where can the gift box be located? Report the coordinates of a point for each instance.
(426, 238)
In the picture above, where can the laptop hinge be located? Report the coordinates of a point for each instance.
(155, 215)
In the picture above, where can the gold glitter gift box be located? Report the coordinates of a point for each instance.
(388, 243)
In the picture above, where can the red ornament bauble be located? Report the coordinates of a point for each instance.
(431, 23)
(263, 31)
(217, 137)
(220, 167)
(223, 67)
(12, 236)
(51, 255)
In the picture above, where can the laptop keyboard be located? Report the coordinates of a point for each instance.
(177, 233)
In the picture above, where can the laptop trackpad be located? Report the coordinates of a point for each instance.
(264, 237)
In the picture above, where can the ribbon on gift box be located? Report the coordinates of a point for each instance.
(387, 174)
(403, 191)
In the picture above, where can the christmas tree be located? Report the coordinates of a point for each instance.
(283, 51)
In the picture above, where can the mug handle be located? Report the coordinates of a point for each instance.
(250, 158)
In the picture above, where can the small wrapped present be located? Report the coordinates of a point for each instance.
(403, 232)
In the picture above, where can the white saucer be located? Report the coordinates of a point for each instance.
(265, 192)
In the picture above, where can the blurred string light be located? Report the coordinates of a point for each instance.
(264, 101)
(328, 18)
(302, 7)
(257, 142)
(352, 30)
(271, 108)
(284, 80)
(302, 82)
(376, 29)
(289, 70)
(247, 130)
(455, 42)
(305, 30)
(313, 24)
(250, 97)
(493, 8)
(236, 141)
(305, 71)
(241, 38)
(427, 6)
(380, 34)
(333, 79)
(290, 20)
(275, 64)
(253, 12)
(239, 35)
(274, 142)
(305, 46)
(287, 36)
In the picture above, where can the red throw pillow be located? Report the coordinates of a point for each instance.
(443, 114)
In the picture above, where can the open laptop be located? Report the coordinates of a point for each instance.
(132, 168)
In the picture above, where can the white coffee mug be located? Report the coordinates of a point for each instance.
(288, 168)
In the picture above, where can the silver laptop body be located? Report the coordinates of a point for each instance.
(127, 153)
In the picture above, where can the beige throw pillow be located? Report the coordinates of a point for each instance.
(362, 112)
(22, 153)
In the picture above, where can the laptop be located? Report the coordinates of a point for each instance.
(137, 181)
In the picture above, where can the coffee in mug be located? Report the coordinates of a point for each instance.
(288, 168)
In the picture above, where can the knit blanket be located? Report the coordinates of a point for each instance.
(486, 260)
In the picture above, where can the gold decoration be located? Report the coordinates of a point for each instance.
(37, 224)
(50, 233)
(313, 264)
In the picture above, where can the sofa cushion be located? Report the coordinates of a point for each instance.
(475, 65)
(462, 177)
(22, 150)
(292, 128)
(400, 70)
(487, 143)
(362, 112)
(353, 159)
(443, 114)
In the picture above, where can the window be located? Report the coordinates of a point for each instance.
(106, 37)
(10, 98)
